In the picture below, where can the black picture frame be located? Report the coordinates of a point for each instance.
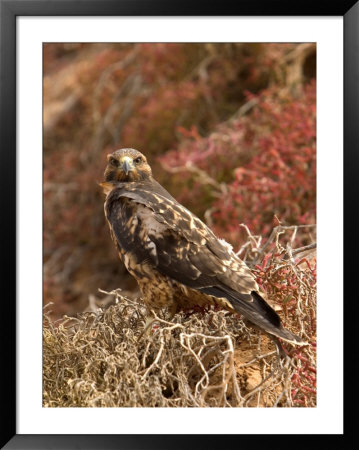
(9, 10)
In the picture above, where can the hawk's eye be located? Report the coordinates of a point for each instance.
(114, 161)
(137, 160)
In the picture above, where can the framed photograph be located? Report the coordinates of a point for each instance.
(242, 112)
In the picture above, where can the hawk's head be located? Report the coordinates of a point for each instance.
(127, 164)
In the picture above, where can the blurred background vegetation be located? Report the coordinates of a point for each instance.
(229, 130)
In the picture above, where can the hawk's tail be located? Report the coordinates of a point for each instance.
(286, 335)
(256, 311)
(264, 317)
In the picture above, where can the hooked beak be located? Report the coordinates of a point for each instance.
(127, 164)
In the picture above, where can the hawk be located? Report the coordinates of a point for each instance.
(176, 259)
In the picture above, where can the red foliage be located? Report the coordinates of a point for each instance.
(267, 161)
(287, 285)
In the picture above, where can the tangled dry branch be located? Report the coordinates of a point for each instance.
(209, 358)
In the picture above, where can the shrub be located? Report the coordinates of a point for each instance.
(260, 168)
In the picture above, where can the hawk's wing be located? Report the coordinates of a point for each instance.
(156, 228)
